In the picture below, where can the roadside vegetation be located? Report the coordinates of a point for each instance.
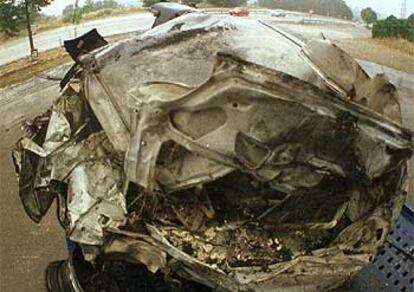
(25, 69)
(334, 8)
(393, 27)
(394, 53)
(398, 44)
(92, 9)
(389, 28)
(14, 15)
(392, 42)
(368, 15)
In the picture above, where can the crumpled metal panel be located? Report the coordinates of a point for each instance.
(195, 141)
(83, 160)
(252, 100)
(375, 93)
(95, 201)
(167, 11)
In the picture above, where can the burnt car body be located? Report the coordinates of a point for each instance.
(165, 11)
(220, 151)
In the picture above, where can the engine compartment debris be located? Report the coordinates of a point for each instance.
(208, 156)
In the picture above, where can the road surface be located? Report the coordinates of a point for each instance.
(19, 48)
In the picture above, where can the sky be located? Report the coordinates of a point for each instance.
(57, 5)
(383, 7)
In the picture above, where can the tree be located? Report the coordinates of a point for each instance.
(67, 13)
(72, 13)
(14, 15)
(11, 17)
(103, 4)
(38, 4)
(227, 3)
(89, 6)
(149, 3)
(29, 6)
(335, 8)
(193, 3)
(393, 27)
(368, 15)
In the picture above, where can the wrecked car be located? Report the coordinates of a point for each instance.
(218, 153)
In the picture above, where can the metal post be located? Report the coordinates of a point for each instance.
(75, 19)
(33, 51)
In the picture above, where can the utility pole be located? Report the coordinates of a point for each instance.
(76, 17)
(403, 9)
(33, 51)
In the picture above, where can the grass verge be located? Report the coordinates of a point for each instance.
(24, 69)
(394, 53)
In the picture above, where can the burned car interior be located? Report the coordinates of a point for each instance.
(216, 159)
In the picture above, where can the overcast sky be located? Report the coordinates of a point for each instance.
(57, 5)
(385, 7)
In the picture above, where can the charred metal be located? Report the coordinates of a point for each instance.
(205, 156)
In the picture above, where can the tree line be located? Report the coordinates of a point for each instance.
(13, 14)
(70, 15)
(391, 27)
(335, 8)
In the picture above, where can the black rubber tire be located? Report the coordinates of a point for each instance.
(56, 277)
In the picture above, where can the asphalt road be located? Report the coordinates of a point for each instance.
(50, 39)
(27, 248)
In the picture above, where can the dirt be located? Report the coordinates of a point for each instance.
(24, 69)
(397, 54)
